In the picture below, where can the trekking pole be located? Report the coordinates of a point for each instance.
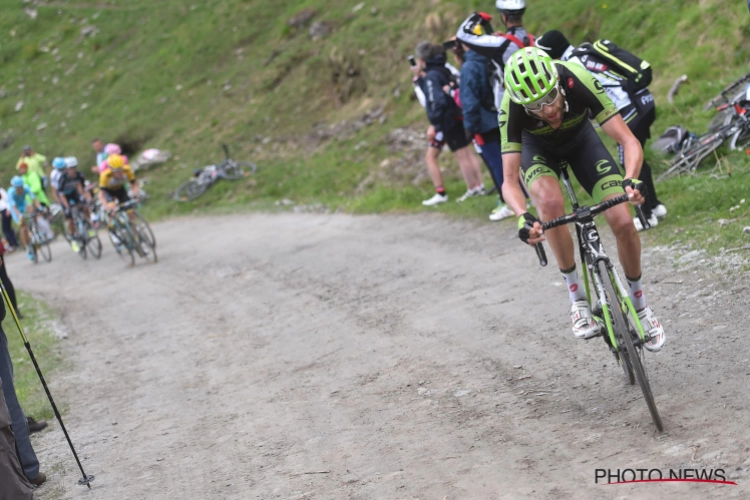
(84, 478)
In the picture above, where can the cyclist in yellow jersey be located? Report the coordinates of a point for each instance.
(112, 183)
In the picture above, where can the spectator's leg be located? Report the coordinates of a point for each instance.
(431, 158)
(26, 455)
(469, 165)
(13, 484)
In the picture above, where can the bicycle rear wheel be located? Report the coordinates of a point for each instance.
(42, 245)
(624, 336)
(191, 190)
(142, 227)
(740, 139)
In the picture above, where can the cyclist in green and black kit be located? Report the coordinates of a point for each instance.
(544, 119)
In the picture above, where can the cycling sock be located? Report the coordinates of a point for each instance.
(636, 293)
(440, 190)
(575, 291)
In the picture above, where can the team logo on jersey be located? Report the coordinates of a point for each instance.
(539, 159)
(603, 166)
(571, 82)
(598, 86)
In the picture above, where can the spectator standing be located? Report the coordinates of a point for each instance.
(10, 234)
(14, 485)
(26, 455)
(35, 162)
(434, 81)
(101, 155)
(636, 106)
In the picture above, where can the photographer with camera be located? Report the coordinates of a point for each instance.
(434, 81)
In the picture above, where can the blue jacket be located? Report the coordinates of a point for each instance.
(475, 89)
(442, 110)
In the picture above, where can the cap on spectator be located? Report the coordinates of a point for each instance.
(553, 43)
(26, 148)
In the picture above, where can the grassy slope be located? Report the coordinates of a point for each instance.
(36, 324)
(185, 76)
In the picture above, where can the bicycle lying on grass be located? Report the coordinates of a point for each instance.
(610, 303)
(694, 150)
(228, 169)
(131, 237)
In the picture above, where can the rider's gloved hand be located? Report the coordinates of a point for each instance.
(635, 189)
(529, 228)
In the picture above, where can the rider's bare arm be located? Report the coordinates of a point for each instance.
(616, 128)
(512, 192)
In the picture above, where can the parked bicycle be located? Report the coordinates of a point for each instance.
(695, 149)
(37, 239)
(86, 235)
(206, 177)
(610, 303)
(132, 236)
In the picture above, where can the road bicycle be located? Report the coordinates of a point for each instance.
(206, 177)
(85, 234)
(131, 236)
(695, 149)
(37, 239)
(609, 300)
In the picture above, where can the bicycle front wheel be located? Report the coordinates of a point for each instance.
(142, 228)
(41, 246)
(93, 243)
(235, 170)
(119, 241)
(624, 336)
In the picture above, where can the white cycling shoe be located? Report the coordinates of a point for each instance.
(584, 326)
(653, 222)
(652, 327)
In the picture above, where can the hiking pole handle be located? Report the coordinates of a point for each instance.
(541, 254)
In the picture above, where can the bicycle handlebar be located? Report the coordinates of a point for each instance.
(582, 214)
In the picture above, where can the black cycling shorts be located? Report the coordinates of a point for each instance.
(455, 138)
(73, 198)
(120, 195)
(588, 157)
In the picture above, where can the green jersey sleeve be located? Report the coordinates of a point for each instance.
(511, 125)
(589, 91)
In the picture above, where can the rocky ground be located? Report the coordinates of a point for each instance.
(302, 356)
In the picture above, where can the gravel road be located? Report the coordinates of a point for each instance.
(381, 357)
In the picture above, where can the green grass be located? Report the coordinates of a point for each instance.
(186, 76)
(37, 326)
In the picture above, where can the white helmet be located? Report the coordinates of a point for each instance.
(511, 6)
(71, 161)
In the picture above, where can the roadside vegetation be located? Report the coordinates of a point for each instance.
(38, 325)
(318, 94)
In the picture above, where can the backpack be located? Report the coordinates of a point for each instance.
(635, 72)
(495, 68)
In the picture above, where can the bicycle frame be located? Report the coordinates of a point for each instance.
(591, 252)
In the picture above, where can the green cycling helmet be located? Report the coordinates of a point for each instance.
(529, 75)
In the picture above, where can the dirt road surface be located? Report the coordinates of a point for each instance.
(382, 357)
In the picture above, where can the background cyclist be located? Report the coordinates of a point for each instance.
(21, 199)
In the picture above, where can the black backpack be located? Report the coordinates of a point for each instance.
(495, 68)
(635, 72)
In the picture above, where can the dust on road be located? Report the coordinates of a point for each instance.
(381, 357)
